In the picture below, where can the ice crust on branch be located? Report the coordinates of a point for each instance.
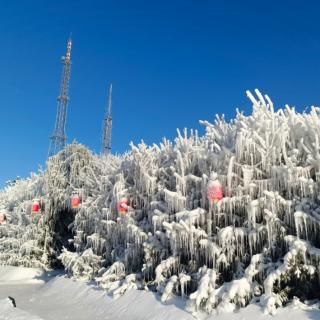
(261, 240)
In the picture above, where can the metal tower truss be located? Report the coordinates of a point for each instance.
(107, 126)
(58, 138)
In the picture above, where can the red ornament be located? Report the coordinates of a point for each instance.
(214, 191)
(75, 201)
(35, 208)
(122, 206)
(3, 218)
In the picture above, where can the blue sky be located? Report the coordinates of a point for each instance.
(171, 63)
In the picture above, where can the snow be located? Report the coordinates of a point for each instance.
(56, 297)
(16, 276)
(7, 312)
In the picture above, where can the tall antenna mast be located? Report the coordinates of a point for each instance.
(58, 138)
(107, 126)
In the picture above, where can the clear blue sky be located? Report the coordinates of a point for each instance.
(171, 63)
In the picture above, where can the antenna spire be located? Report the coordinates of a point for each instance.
(69, 46)
(107, 126)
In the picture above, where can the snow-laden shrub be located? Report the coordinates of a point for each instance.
(261, 240)
(84, 265)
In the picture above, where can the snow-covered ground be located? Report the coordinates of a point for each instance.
(54, 296)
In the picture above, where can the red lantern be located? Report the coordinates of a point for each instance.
(214, 191)
(75, 201)
(35, 207)
(3, 218)
(122, 206)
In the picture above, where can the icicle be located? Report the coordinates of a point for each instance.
(230, 169)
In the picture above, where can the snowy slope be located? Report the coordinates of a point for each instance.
(58, 297)
(7, 312)
(10, 275)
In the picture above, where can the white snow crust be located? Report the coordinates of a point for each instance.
(59, 297)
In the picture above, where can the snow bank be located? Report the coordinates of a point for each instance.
(8, 312)
(18, 276)
(62, 298)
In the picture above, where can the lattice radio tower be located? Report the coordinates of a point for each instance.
(58, 138)
(107, 126)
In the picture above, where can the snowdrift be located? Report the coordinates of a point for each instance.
(258, 240)
(59, 297)
(20, 275)
(7, 312)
